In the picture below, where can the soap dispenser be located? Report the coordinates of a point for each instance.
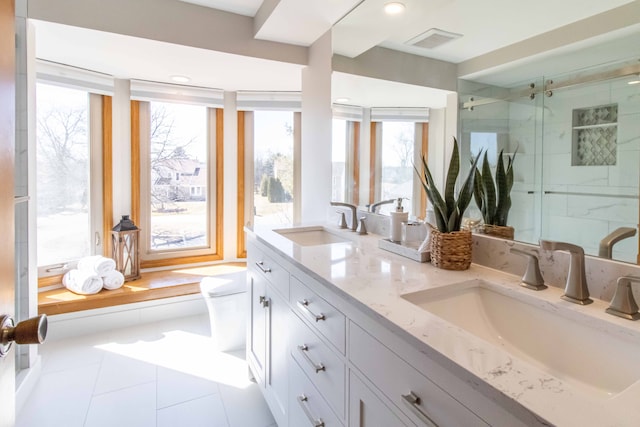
(397, 218)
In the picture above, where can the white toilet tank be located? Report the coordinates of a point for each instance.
(226, 300)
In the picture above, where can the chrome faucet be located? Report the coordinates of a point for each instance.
(374, 206)
(606, 245)
(576, 289)
(354, 216)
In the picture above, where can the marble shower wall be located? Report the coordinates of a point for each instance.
(583, 204)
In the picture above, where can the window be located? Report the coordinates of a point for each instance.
(178, 182)
(69, 190)
(397, 174)
(268, 159)
(273, 167)
(399, 138)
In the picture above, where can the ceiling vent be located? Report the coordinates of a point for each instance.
(433, 38)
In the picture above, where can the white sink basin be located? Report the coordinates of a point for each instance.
(596, 361)
(311, 236)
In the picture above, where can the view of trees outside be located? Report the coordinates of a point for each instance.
(398, 140)
(62, 161)
(273, 167)
(179, 176)
(338, 160)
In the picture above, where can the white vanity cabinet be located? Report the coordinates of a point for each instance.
(267, 330)
(324, 360)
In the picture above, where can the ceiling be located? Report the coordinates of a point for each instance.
(358, 25)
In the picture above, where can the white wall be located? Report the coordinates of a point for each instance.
(121, 167)
(230, 154)
(316, 132)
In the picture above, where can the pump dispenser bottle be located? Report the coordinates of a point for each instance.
(397, 218)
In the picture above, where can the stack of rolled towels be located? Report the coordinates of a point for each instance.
(93, 274)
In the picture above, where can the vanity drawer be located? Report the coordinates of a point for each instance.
(324, 368)
(306, 404)
(324, 317)
(414, 394)
(268, 268)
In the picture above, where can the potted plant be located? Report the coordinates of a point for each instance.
(450, 246)
(493, 196)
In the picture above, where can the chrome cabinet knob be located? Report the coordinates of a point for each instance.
(30, 331)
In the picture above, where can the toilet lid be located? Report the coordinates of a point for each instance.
(226, 284)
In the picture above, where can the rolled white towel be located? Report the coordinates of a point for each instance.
(113, 280)
(82, 282)
(97, 264)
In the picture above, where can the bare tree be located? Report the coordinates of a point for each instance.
(62, 165)
(403, 147)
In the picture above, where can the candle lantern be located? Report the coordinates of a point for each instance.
(124, 244)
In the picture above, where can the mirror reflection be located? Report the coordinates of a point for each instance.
(574, 120)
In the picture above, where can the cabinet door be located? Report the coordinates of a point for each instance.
(277, 386)
(257, 327)
(367, 410)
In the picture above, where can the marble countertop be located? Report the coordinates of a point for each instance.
(375, 280)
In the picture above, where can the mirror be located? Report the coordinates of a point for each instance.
(577, 134)
(578, 143)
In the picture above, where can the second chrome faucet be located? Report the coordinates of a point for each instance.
(576, 289)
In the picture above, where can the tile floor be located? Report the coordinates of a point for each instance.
(163, 374)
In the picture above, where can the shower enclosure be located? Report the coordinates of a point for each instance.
(577, 138)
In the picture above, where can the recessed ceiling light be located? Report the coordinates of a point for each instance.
(394, 8)
(340, 100)
(635, 81)
(180, 79)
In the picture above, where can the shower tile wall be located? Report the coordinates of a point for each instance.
(523, 124)
(612, 203)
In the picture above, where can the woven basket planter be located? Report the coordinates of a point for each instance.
(504, 232)
(451, 251)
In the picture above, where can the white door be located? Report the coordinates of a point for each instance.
(7, 137)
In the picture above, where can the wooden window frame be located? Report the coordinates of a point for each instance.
(241, 237)
(136, 189)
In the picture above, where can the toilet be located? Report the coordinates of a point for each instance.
(226, 300)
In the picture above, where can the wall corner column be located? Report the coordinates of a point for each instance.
(315, 191)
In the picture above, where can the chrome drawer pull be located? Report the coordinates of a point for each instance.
(261, 266)
(412, 401)
(317, 366)
(302, 400)
(264, 301)
(304, 304)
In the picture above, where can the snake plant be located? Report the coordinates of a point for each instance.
(448, 210)
(493, 197)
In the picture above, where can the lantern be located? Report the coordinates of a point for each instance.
(124, 244)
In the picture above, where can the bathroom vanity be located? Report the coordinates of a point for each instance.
(343, 333)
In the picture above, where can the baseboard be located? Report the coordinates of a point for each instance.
(26, 380)
(85, 322)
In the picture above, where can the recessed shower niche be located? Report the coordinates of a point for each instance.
(595, 136)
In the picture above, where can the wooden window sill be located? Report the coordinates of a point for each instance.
(151, 286)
